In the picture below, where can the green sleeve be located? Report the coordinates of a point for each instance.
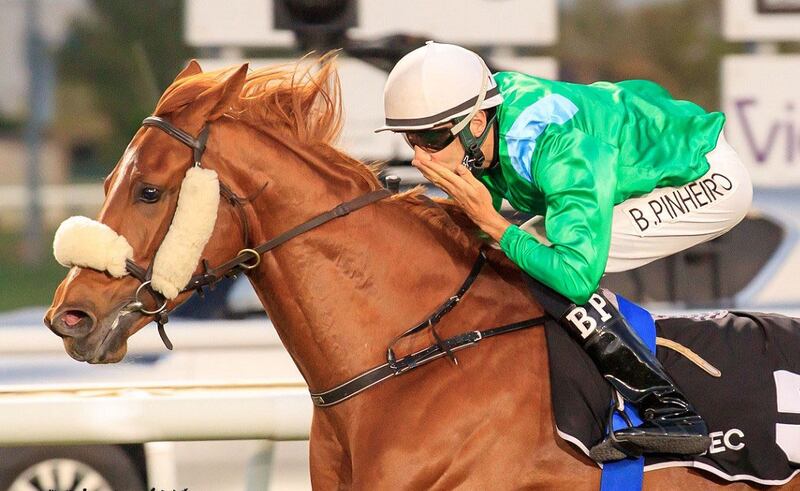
(496, 193)
(575, 172)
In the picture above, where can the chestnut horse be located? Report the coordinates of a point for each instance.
(341, 292)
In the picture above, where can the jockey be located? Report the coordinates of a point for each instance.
(622, 174)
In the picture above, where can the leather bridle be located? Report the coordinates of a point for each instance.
(247, 258)
(250, 258)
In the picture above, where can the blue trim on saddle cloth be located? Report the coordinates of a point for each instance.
(627, 474)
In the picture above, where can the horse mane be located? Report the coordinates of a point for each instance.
(302, 101)
(475, 236)
(441, 215)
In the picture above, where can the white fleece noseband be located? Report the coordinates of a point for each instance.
(188, 233)
(84, 242)
(81, 241)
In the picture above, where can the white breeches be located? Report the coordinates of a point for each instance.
(671, 219)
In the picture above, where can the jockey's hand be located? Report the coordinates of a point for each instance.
(468, 192)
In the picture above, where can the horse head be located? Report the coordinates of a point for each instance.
(162, 207)
(163, 225)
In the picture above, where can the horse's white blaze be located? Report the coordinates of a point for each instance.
(81, 241)
(189, 232)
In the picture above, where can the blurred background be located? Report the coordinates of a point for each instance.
(78, 77)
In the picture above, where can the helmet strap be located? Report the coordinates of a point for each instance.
(474, 159)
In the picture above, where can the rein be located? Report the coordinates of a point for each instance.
(241, 260)
(248, 259)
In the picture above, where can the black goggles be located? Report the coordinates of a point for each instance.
(431, 140)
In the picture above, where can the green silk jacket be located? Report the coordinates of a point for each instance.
(571, 152)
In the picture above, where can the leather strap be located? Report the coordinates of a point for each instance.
(451, 302)
(198, 144)
(234, 265)
(386, 371)
(210, 276)
(136, 271)
(437, 315)
(236, 202)
(339, 211)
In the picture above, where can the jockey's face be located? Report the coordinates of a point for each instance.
(452, 155)
(449, 157)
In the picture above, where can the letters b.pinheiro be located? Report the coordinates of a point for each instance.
(670, 206)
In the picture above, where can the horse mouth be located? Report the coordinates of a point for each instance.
(109, 344)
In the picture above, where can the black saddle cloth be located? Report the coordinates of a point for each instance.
(752, 410)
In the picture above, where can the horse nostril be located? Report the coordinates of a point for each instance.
(73, 323)
(72, 317)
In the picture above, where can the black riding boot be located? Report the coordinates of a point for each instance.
(670, 423)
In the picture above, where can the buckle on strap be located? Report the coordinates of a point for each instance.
(341, 210)
(443, 310)
(464, 340)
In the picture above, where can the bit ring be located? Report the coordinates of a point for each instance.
(141, 308)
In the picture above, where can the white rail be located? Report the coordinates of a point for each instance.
(226, 380)
(153, 412)
(17, 340)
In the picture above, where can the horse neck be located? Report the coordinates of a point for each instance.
(339, 293)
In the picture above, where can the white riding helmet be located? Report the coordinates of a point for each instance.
(434, 84)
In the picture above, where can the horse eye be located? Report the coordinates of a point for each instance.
(149, 194)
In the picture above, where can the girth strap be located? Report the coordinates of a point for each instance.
(389, 370)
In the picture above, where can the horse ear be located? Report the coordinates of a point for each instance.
(193, 68)
(215, 101)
